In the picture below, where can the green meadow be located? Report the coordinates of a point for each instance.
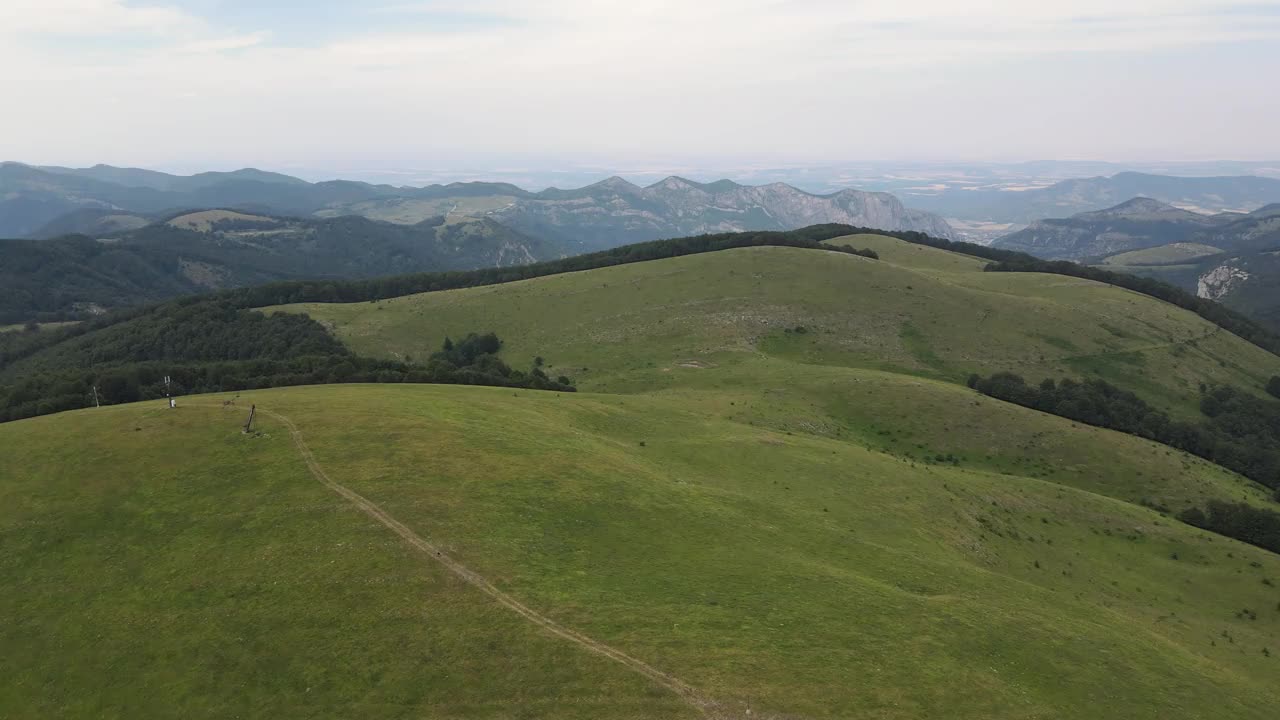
(1164, 254)
(773, 487)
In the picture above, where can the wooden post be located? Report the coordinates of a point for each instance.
(95, 397)
(249, 425)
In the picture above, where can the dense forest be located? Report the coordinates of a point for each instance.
(1240, 432)
(75, 277)
(71, 278)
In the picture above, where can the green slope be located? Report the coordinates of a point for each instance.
(1163, 255)
(917, 311)
(791, 574)
(775, 489)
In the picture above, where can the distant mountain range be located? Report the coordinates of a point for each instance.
(614, 211)
(1208, 194)
(37, 201)
(78, 276)
(1138, 224)
(1132, 225)
(1233, 258)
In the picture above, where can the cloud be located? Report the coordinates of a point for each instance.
(88, 18)
(224, 43)
(787, 78)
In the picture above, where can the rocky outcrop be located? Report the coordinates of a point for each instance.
(1221, 281)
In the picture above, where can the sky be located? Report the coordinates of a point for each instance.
(347, 86)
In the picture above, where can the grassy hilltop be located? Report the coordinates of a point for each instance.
(773, 488)
(918, 311)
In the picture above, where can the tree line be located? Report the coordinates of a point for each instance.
(1013, 261)
(1240, 432)
(1216, 313)
(1245, 523)
(473, 361)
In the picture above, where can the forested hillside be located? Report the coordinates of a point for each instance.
(77, 277)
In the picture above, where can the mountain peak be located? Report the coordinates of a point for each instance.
(1144, 208)
(1142, 204)
(614, 182)
(1267, 210)
(675, 183)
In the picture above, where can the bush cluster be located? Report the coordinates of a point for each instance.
(1245, 523)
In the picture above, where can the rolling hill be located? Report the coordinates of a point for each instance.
(773, 496)
(919, 311)
(1135, 224)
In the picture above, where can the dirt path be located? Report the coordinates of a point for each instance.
(703, 704)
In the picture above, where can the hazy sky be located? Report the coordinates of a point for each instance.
(321, 83)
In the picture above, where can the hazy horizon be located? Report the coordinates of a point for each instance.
(338, 87)
(821, 178)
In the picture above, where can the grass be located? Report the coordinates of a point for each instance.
(624, 323)
(201, 569)
(1163, 255)
(43, 326)
(917, 257)
(204, 220)
(822, 523)
(789, 573)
